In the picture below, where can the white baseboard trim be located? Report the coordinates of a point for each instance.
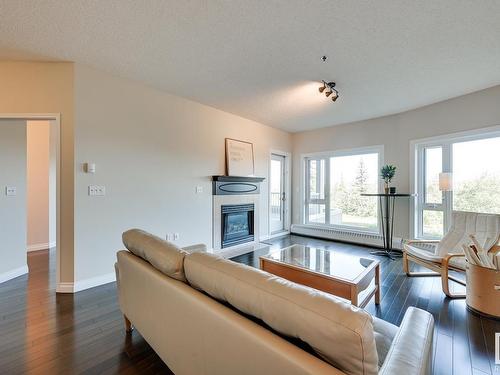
(9, 275)
(63, 287)
(78, 286)
(274, 235)
(41, 246)
(363, 238)
(94, 281)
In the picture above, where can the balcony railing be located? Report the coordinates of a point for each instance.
(276, 204)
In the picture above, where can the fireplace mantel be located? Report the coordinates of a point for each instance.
(235, 185)
(237, 179)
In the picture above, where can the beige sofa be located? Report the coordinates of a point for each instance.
(206, 315)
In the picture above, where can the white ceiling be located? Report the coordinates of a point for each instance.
(260, 59)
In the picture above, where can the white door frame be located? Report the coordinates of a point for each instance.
(55, 120)
(287, 189)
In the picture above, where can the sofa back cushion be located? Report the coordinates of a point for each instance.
(338, 332)
(162, 255)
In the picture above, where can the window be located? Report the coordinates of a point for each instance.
(476, 175)
(473, 163)
(316, 212)
(334, 184)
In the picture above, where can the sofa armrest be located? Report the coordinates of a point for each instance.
(198, 248)
(411, 349)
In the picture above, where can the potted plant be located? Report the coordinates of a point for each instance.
(387, 173)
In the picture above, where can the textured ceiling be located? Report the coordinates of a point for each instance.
(261, 59)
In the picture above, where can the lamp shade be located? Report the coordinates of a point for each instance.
(445, 181)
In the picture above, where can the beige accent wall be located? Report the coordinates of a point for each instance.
(12, 208)
(473, 111)
(151, 150)
(28, 87)
(41, 182)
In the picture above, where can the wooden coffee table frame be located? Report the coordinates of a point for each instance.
(348, 289)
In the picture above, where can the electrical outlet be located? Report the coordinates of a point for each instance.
(176, 236)
(98, 191)
(10, 191)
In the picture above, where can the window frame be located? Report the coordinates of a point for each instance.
(421, 185)
(305, 187)
(417, 164)
(326, 194)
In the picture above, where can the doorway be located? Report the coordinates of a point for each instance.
(41, 185)
(278, 193)
(30, 191)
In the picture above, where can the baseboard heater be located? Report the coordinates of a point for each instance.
(335, 234)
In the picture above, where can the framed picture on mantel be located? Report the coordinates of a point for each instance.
(239, 158)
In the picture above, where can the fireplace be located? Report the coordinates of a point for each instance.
(235, 210)
(237, 224)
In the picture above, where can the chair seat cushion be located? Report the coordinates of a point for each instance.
(424, 254)
(430, 256)
(458, 262)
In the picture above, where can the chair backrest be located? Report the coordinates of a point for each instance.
(485, 227)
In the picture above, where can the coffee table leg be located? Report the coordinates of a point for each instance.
(354, 295)
(377, 284)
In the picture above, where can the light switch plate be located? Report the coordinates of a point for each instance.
(97, 191)
(10, 191)
(199, 189)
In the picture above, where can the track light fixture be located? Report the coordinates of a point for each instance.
(331, 90)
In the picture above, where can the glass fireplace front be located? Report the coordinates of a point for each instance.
(237, 224)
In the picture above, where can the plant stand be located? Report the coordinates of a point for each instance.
(386, 205)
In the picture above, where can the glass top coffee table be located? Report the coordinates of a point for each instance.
(354, 278)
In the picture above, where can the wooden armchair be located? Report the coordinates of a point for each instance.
(447, 255)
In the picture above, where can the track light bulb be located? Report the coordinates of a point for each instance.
(321, 89)
(334, 98)
(328, 93)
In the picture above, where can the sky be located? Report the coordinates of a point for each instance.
(471, 159)
(346, 168)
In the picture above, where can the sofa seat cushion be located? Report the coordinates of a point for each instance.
(384, 335)
(162, 255)
(337, 331)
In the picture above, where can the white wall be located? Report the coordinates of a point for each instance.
(477, 110)
(12, 208)
(39, 186)
(151, 150)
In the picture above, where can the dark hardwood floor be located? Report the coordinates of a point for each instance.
(45, 333)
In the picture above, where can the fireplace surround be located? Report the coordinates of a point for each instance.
(235, 211)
